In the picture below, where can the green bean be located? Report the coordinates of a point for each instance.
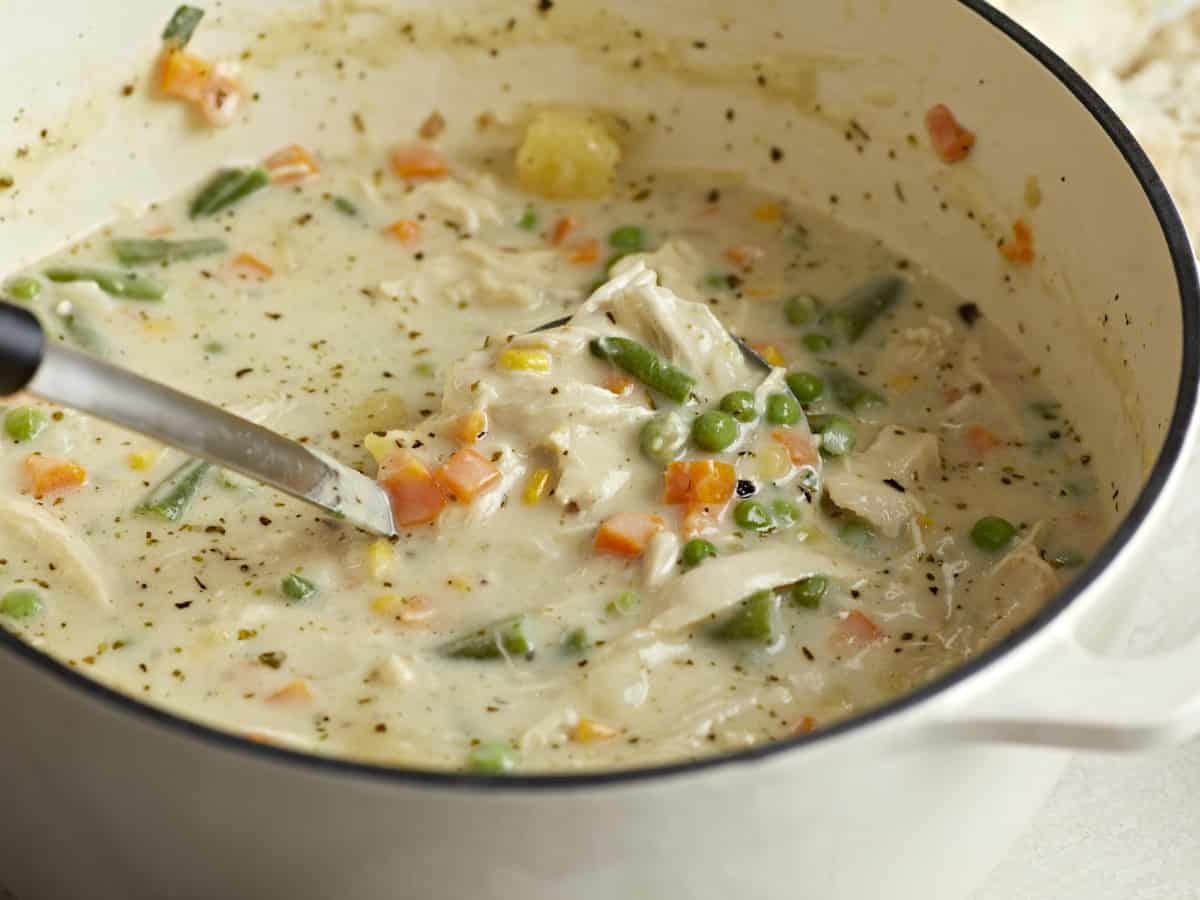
(714, 431)
(806, 386)
(852, 393)
(757, 619)
(529, 219)
(22, 603)
(627, 239)
(226, 188)
(128, 285)
(170, 499)
(506, 638)
(25, 423)
(663, 437)
(344, 205)
(851, 318)
(992, 533)
(815, 342)
(625, 603)
(78, 327)
(144, 251)
(740, 405)
(492, 758)
(782, 409)
(696, 551)
(296, 587)
(646, 366)
(577, 641)
(838, 434)
(808, 592)
(801, 309)
(785, 513)
(182, 25)
(23, 288)
(753, 516)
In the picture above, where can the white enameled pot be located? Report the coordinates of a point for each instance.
(106, 798)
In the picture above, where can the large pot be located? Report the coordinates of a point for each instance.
(105, 797)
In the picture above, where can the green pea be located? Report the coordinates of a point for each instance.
(757, 619)
(23, 288)
(815, 342)
(753, 516)
(992, 533)
(625, 603)
(785, 513)
(22, 603)
(424, 369)
(782, 409)
(714, 431)
(696, 551)
(492, 758)
(577, 641)
(857, 535)
(808, 592)
(838, 434)
(297, 587)
(740, 405)
(25, 423)
(806, 386)
(664, 437)
(528, 220)
(800, 310)
(627, 239)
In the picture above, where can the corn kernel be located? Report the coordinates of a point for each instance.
(768, 212)
(536, 487)
(774, 462)
(387, 604)
(589, 731)
(379, 559)
(459, 583)
(525, 360)
(145, 459)
(924, 521)
(772, 355)
(471, 427)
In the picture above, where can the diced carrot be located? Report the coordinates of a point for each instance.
(768, 212)
(417, 498)
(951, 141)
(405, 230)
(1020, 249)
(247, 265)
(700, 519)
(47, 475)
(627, 534)
(744, 256)
(562, 229)
(769, 352)
(411, 610)
(471, 427)
(291, 164)
(804, 726)
(799, 445)
(858, 629)
(296, 692)
(981, 440)
(467, 474)
(699, 481)
(619, 383)
(183, 75)
(585, 253)
(419, 161)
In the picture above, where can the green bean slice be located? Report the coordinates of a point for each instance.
(182, 25)
(645, 365)
(851, 318)
(296, 587)
(226, 188)
(852, 393)
(509, 637)
(170, 499)
(127, 285)
(145, 251)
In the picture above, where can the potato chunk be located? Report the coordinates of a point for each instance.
(567, 154)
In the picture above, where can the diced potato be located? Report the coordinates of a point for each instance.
(568, 154)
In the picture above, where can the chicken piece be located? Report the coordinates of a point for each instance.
(1018, 585)
(466, 207)
(876, 484)
(679, 265)
(73, 559)
(913, 351)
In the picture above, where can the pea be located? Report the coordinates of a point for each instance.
(757, 619)
(696, 551)
(806, 386)
(856, 534)
(627, 239)
(815, 342)
(577, 641)
(800, 310)
(297, 587)
(992, 533)
(714, 431)
(25, 423)
(782, 409)
(492, 758)
(24, 288)
(785, 513)
(740, 405)
(808, 592)
(753, 516)
(663, 437)
(624, 604)
(528, 220)
(22, 603)
(838, 434)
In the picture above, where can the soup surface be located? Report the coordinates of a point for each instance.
(624, 540)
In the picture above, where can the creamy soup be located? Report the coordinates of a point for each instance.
(626, 539)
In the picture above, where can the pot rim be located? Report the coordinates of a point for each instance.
(1184, 262)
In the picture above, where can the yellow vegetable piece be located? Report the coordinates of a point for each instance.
(568, 154)
(924, 521)
(525, 360)
(774, 461)
(471, 427)
(387, 604)
(459, 584)
(589, 731)
(535, 489)
(379, 559)
(772, 355)
(902, 382)
(378, 446)
(768, 212)
(142, 460)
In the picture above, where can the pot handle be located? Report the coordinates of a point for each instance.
(1072, 698)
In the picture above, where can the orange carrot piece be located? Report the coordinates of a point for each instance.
(744, 256)
(417, 499)
(419, 161)
(619, 383)
(981, 440)
(799, 445)
(47, 475)
(769, 352)
(700, 519)
(467, 474)
(951, 141)
(1020, 249)
(247, 265)
(585, 253)
(291, 164)
(699, 481)
(804, 726)
(627, 534)
(858, 629)
(562, 229)
(405, 230)
(296, 692)
(183, 75)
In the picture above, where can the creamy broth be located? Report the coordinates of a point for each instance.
(390, 344)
